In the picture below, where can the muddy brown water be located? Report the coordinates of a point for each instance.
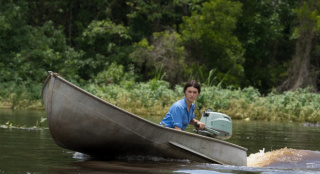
(273, 148)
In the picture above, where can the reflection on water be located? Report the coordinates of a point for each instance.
(25, 118)
(288, 148)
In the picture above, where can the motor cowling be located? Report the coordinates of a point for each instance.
(218, 125)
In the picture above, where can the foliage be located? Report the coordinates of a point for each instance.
(165, 52)
(264, 29)
(300, 105)
(141, 98)
(248, 43)
(217, 98)
(120, 49)
(103, 42)
(115, 74)
(246, 103)
(155, 98)
(301, 72)
(210, 40)
(32, 49)
(20, 96)
(147, 17)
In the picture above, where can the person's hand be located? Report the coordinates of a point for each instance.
(201, 125)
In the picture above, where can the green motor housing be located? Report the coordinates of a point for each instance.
(218, 125)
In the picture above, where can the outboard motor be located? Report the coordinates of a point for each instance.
(218, 125)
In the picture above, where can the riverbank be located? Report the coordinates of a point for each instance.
(22, 105)
(155, 98)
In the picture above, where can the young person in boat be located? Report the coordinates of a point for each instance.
(181, 112)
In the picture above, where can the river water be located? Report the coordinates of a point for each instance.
(27, 147)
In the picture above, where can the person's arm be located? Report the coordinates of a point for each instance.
(201, 125)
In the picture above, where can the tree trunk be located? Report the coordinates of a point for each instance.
(300, 72)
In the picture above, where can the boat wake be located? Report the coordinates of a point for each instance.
(285, 158)
(81, 156)
(283, 161)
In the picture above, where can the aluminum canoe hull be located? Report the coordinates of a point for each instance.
(82, 122)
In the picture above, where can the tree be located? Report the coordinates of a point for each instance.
(146, 17)
(13, 29)
(301, 73)
(104, 42)
(264, 29)
(165, 54)
(27, 52)
(210, 41)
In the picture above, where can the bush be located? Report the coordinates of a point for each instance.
(155, 98)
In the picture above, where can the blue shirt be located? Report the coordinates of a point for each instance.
(178, 115)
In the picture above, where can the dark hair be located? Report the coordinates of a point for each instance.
(192, 83)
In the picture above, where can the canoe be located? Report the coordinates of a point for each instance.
(82, 122)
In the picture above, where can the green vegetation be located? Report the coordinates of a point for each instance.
(12, 124)
(155, 98)
(255, 59)
(300, 105)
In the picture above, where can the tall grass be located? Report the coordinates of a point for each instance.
(150, 98)
(155, 98)
(247, 103)
(20, 96)
(300, 105)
